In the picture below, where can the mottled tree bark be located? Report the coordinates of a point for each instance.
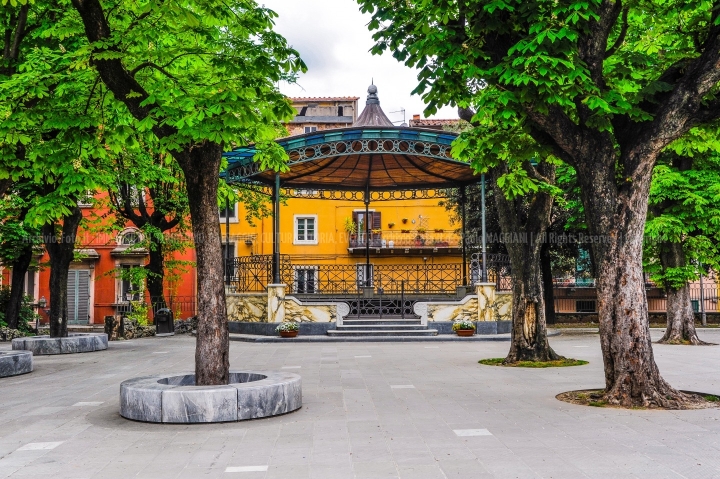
(60, 245)
(680, 315)
(548, 286)
(616, 222)
(17, 286)
(524, 221)
(201, 166)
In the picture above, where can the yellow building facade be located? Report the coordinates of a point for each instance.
(412, 244)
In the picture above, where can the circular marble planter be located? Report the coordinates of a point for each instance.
(13, 363)
(174, 398)
(73, 343)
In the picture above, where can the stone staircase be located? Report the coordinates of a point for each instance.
(374, 326)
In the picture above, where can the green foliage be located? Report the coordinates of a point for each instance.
(288, 326)
(57, 123)
(27, 317)
(685, 208)
(463, 324)
(520, 65)
(139, 312)
(209, 68)
(559, 363)
(350, 226)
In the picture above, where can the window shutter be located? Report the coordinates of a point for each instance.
(355, 220)
(376, 223)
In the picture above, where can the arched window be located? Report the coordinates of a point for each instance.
(129, 237)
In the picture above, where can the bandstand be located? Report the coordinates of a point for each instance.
(372, 161)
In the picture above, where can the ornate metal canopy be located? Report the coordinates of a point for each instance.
(359, 159)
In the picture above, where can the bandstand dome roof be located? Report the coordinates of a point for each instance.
(372, 154)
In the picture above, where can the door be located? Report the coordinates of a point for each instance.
(78, 293)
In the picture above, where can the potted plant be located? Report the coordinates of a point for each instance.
(437, 230)
(350, 226)
(463, 327)
(289, 329)
(390, 225)
(404, 231)
(404, 220)
(421, 231)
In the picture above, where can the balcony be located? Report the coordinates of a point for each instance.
(406, 241)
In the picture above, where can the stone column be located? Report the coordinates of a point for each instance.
(276, 303)
(486, 300)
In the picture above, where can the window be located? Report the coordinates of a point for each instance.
(128, 290)
(306, 280)
(306, 229)
(340, 111)
(228, 212)
(131, 193)
(86, 201)
(129, 237)
(310, 129)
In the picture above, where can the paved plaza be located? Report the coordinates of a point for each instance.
(371, 410)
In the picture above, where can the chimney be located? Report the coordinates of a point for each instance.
(416, 117)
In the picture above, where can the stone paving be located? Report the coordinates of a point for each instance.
(371, 410)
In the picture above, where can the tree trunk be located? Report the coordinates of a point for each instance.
(616, 223)
(548, 286)
(156, 275)
(17, 286)
(524, 221)
(201, 166)
(680, 315)
(62, 252)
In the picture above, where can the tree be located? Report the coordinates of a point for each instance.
(199, 75)
(524, 202)
(17, 243)
(606, 86)
(684, 228)
(51, 136)
(149, 193)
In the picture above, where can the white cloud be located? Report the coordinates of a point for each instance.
(333, 40)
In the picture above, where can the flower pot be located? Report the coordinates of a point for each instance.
(465, 332)
(288, 334)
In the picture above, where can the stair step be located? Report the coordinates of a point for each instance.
(386, 332)
(365, 327)
(375, 317)
(398, 322)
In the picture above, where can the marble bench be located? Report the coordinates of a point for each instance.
(174, 398)
(73, 343)
(13, 363)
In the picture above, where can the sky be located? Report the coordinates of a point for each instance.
(334, 42)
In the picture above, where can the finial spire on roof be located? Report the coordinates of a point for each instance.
(372, 115)
(372, 95)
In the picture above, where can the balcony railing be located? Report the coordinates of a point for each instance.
(407, 238)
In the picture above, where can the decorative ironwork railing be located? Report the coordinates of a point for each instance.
(406, 238)
(186, 305)
(251, 274)
(254, 273)
(498, 269)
